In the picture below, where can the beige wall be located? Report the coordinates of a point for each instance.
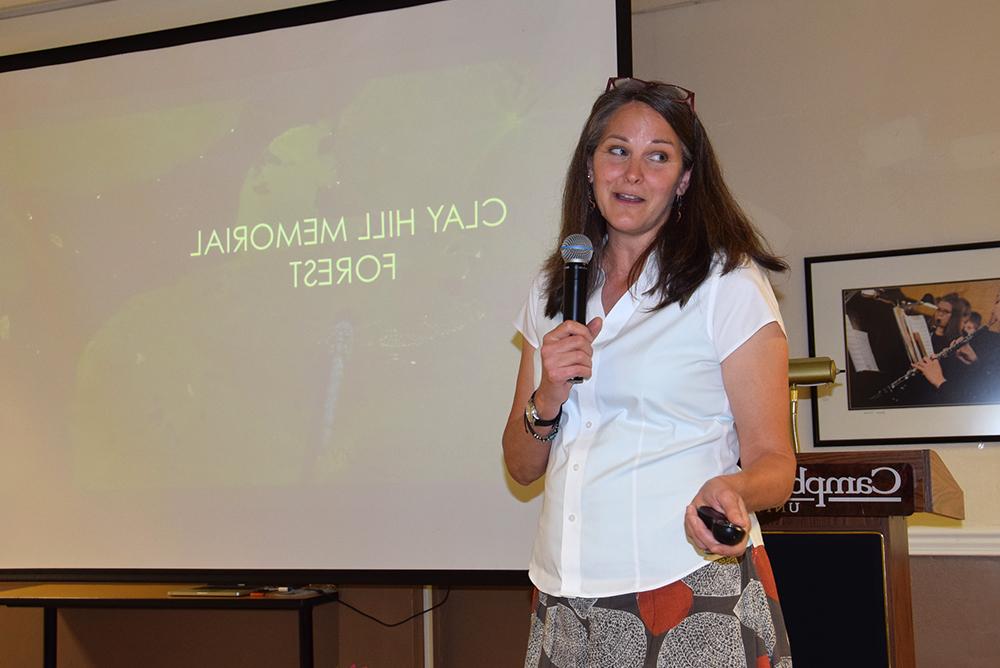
(849, 126)
(954, 611)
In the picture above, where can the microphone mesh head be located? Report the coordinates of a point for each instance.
(577, 248)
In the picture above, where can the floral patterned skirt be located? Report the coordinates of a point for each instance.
(723, 615)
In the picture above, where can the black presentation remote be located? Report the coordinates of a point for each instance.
(724, 531)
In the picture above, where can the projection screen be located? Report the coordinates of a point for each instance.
(256, 292)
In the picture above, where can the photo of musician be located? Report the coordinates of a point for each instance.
(948, 317)
(935, 349)
(974, 322)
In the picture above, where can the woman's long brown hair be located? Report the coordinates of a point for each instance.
(711, 224)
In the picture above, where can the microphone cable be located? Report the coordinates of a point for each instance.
(447, 593)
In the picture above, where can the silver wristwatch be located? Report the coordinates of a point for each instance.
(535, 420)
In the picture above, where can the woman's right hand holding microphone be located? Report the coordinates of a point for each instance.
(567, 352)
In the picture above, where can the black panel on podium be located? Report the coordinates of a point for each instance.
(842, 580)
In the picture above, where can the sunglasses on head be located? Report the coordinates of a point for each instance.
(678, 93)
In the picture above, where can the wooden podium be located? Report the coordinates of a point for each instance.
(840, 553)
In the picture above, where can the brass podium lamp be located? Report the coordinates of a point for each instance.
(808, 372)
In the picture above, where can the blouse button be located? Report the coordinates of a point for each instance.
(589, 424)
(576, 467)
(572, 518)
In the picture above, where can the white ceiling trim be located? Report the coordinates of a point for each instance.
(12, 8)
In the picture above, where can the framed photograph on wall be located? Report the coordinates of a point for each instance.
(917, 333)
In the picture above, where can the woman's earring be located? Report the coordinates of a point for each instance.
(590, 190)
(677, 205)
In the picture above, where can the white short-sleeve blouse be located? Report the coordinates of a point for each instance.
(641, 436)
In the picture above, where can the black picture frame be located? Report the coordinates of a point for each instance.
(875, 314)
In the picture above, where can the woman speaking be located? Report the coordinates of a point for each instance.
(683, 406)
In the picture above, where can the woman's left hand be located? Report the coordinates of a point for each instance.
(718, 494)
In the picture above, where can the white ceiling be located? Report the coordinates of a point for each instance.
(11, 8)
(31, 25)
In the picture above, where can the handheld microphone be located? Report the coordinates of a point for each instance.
(576, 251)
